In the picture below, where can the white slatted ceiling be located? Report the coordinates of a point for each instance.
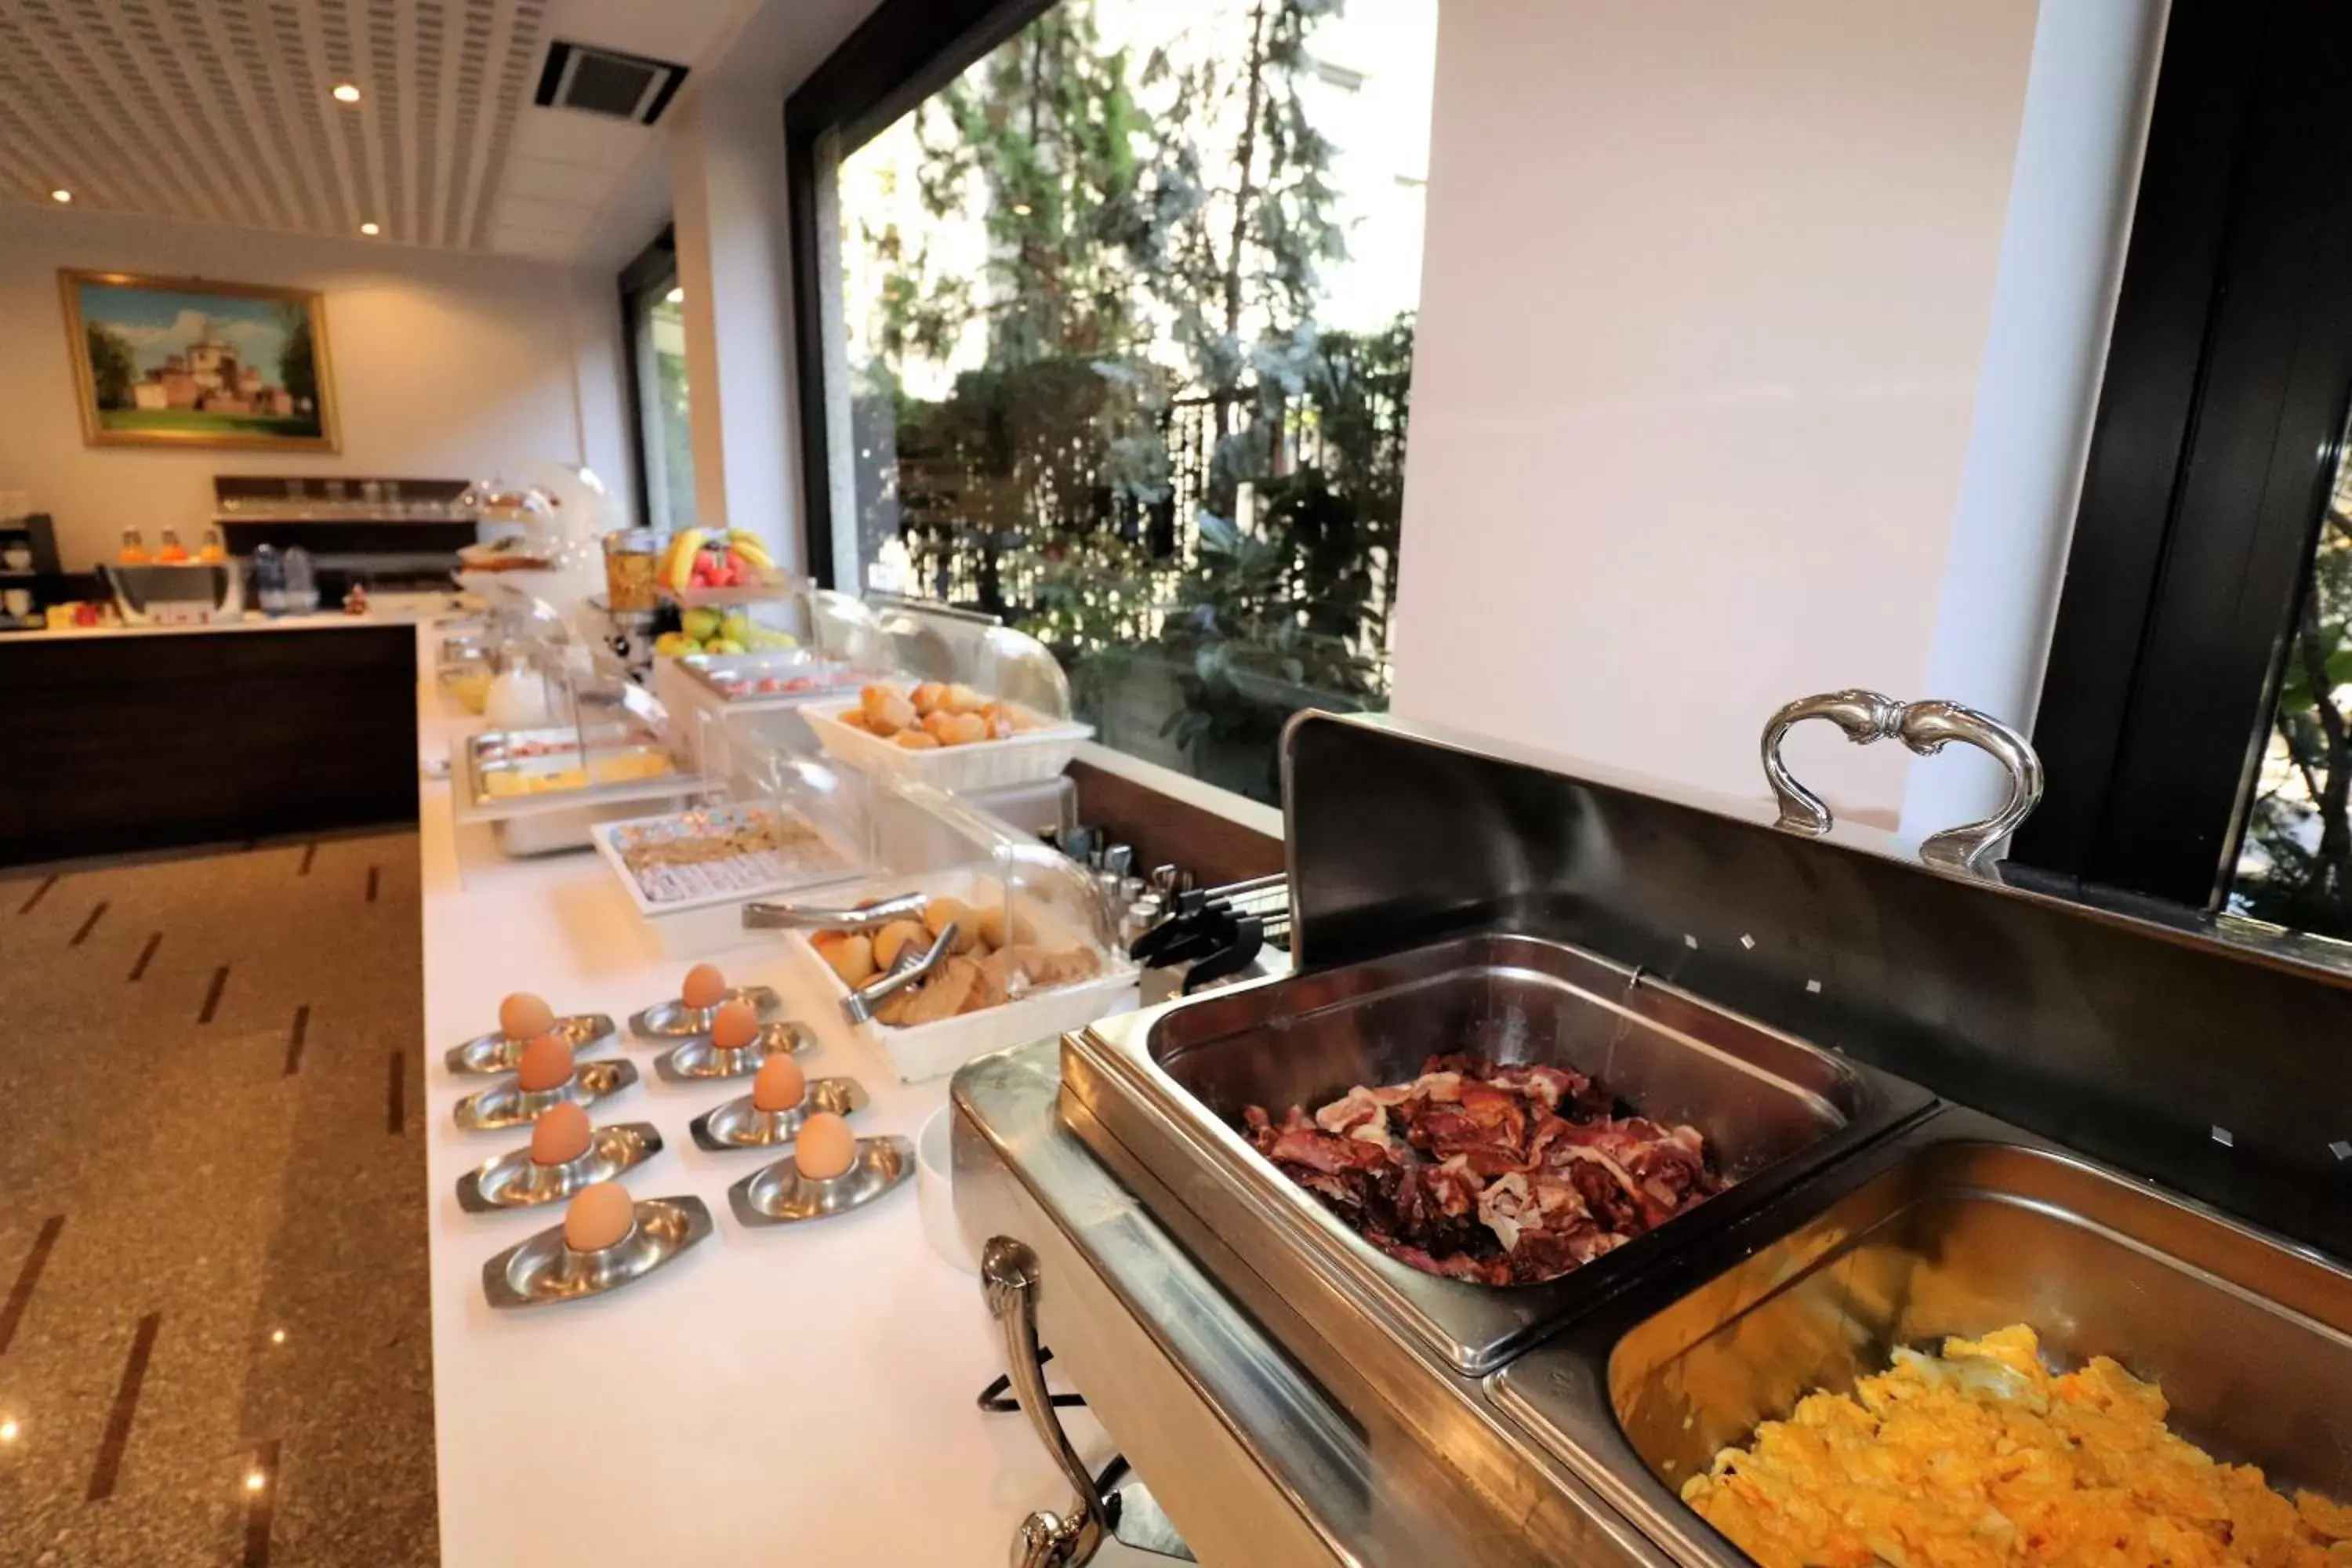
(219, 111)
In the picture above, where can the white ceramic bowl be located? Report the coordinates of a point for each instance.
(935, 1190)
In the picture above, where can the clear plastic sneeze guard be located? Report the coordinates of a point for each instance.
(1009, 941)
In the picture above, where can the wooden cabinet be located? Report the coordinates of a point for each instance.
(117, 744)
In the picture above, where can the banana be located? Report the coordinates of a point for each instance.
(679, 568)
(748, 546)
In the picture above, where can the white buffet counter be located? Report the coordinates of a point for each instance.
(800, 1394)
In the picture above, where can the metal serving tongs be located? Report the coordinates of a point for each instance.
(905, 970)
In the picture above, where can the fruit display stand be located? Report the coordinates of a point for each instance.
(702, 566)
(801, 631)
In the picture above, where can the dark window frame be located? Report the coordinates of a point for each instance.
(652, 267)
(900, 55)
(2220, 421)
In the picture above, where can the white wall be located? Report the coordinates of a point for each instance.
(445, 366)
(1706, 305)
(734, 259)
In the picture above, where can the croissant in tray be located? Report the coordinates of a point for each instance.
(996, 958)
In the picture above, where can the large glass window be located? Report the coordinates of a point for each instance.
(1118, 348)
(2295, 862)
(652, 303)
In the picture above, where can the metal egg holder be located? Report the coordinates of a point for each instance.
(544, 1269)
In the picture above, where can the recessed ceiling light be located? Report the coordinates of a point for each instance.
(675, 297)
(371, 228)
(254, 1480)
(347, 93)
(9, 1430)
(61, 195)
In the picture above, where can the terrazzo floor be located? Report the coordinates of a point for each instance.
(214, 1338)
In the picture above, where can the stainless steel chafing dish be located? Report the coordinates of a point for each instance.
(1837, 1021)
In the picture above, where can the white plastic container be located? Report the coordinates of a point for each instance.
(930, 1050)
(1039, 753)
(935, 1189)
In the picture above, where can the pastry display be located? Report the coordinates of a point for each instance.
(1498, 1173)
(935, 714)
(1980, 1457)
(722, 851)
(995, 957)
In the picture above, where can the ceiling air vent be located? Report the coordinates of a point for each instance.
(606, 81)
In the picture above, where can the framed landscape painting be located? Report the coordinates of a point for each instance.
(186, 362)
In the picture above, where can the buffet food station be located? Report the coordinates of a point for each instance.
(1544, 1169)
(1628, 1180)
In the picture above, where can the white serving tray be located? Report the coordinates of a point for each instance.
(1033, 754)
(693, 928)
(931, 1050)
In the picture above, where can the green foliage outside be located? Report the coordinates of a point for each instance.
(298, 362)
(2295, 866)
(111, 369)
(1148, 315)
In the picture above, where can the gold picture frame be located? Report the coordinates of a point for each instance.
(191, 362)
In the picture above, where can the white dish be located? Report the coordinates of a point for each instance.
(1039, 753)
(923, 1051)
(935, 1189)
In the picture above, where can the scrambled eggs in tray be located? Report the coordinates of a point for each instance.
(1981, 1458)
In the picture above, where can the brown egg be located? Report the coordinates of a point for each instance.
(559, 1134)
(523, 1016)
(704, 987)
(546, 1064)
(779, 1086)
(826, 1148)
(734, 1026)
(598, 1217)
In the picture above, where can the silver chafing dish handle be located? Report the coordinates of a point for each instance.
(871, 915)
(1925, 727)
(1046, 1540)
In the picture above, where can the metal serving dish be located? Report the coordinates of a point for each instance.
(779, 1195)
(508, 1104)
(1960, 1225)
(1167, 1086)
(496, 1052)
(740, 1124)
(548, 821)
(542, 1269)
(784, 675)
(673, 1020)
(515, 1180)
(699, 1059)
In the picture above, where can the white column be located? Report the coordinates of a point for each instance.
(734, 261)
(2062, 255)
